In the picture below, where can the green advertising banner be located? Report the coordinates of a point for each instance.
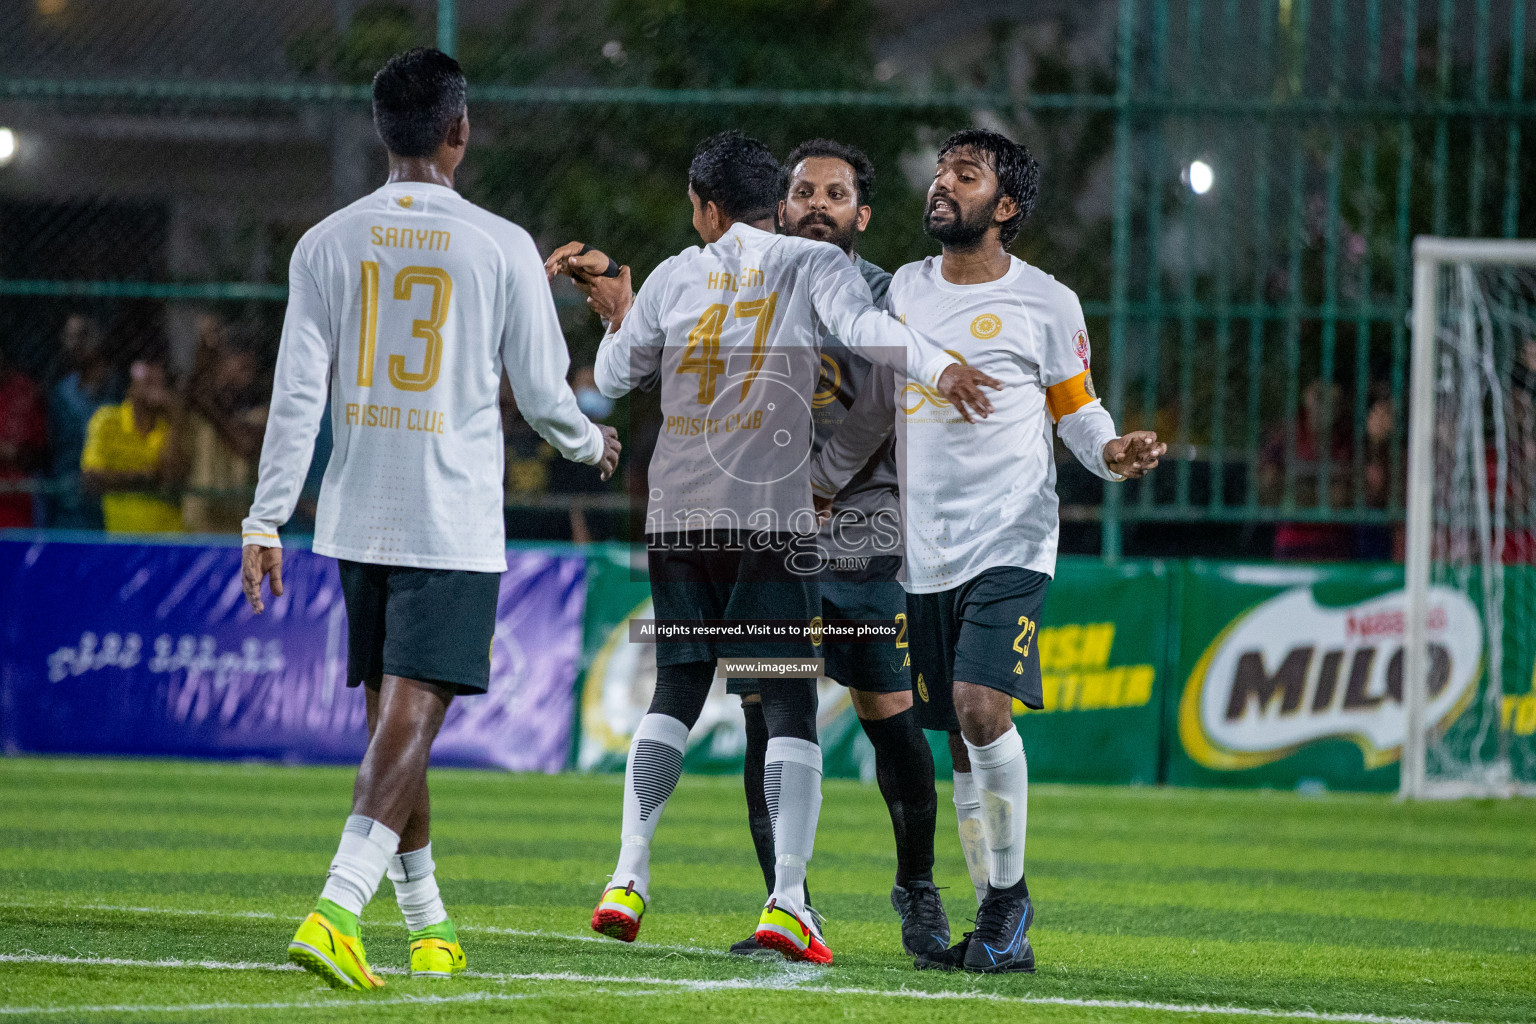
(1194, 673)
(1292, 675)
(1103, 646)
(1104, 641)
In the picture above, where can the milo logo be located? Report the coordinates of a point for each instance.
(1290, 672)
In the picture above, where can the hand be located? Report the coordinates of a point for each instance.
(1134, 455)
(961, 387)
(611, 449)
(256, 564)
(608, 297)
(823, 507)
(556, 262)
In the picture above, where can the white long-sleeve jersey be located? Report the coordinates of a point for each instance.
(979, 495)
(734, 330)
(403, 308)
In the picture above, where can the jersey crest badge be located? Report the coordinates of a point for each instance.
(1080, 346)
(986, 326)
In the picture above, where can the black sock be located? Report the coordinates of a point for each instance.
(752, 779)
(904, 769)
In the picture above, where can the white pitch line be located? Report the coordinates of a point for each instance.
(26, 957)
(538, 933)
(696, 985)
(313, 1004)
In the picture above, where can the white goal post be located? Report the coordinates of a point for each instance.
(1471, 514)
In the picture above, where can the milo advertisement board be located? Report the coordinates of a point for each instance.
(1289, 674)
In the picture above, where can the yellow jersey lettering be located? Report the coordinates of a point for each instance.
(409, 238)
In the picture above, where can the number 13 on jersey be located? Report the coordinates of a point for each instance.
(429, 330)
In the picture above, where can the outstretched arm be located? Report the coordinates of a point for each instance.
(842, 300)
(630, 354)
(533, 351)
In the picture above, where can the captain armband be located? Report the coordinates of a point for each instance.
(1070, 395)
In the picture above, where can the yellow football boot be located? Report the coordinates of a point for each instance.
(619, 912)
(336, 959)
(435, 952)
(797, 936)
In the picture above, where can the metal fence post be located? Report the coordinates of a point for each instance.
(448, 26)
(1110, 539)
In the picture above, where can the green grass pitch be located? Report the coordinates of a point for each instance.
(136, 890)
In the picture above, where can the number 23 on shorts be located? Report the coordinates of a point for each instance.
(1027, 634)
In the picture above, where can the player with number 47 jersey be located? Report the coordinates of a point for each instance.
(733, 331)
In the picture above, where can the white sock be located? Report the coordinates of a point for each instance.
(655, 765)
(412, 873)
(1002, 780)
(972, 842)
(792, 786)
(359, 864)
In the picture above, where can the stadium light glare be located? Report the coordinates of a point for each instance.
(7, 146)
(1200, 177)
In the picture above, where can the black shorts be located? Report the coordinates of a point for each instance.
(705, 575)
(435, 625)
(982, 632)
(869, 592)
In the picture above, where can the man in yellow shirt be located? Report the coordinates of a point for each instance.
(133, 456)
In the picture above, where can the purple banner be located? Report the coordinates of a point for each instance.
(150, 649)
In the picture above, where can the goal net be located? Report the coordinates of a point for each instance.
(1472, 517)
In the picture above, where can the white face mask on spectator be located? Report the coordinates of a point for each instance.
(594, 403)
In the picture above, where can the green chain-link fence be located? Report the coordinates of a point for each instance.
(1232, 188)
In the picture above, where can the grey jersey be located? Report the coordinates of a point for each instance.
(870, 498)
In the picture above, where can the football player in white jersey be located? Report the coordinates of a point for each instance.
(730, 529)
(403, 309)
(827, 186)
(980, 507)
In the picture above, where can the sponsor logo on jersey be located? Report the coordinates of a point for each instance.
(828, 384)
(986, 326)
(1080, 346)
(1291, 672)
(914, 395)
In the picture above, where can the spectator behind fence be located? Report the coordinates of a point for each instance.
(134, 456)
(88, 384)
(1302, 541)
(23, 442)
(1378, 542)
(226, 417)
